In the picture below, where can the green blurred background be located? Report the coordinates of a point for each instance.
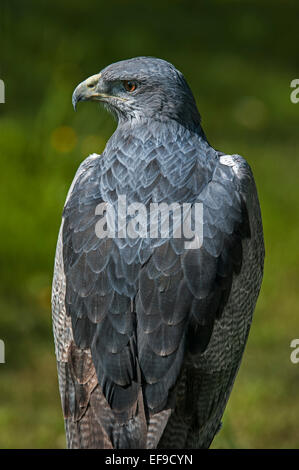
(239, 58)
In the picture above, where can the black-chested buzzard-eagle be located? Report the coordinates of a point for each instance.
(149, 333)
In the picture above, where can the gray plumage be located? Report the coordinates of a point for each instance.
(149, 335)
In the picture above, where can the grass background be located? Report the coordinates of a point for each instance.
(239, 58)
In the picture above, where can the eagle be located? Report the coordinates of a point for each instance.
(150, 331)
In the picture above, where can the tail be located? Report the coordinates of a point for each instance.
(122, 431)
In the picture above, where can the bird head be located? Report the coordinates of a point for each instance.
(142, 88)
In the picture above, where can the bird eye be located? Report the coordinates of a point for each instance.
(129, 85)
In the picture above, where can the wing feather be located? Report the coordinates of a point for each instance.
(150, 316)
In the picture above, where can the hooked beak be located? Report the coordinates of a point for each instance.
(89, 90)
(86, 90)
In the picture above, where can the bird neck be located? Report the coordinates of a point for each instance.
(159, 127)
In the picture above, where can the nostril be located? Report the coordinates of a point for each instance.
(92, 81)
